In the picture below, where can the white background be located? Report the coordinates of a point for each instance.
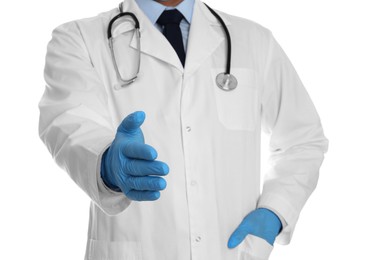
(341, 50)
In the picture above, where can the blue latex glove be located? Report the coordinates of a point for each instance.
(261, 222)
(129, 164)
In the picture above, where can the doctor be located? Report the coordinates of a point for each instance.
(171, 162)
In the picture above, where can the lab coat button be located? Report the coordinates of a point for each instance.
(188, 129)
(193, 183)
(198, 239)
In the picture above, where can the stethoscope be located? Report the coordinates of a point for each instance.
(224, 80)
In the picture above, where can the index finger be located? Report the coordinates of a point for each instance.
(141, 151)
(144, 168)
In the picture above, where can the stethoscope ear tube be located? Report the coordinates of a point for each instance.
(109, 30)
(123, 82)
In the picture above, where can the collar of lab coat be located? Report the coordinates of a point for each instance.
(206, 34)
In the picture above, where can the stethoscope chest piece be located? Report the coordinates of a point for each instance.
(226, 82)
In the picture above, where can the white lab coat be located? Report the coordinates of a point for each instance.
(209, 138)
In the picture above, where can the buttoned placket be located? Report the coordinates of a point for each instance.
(189, 131)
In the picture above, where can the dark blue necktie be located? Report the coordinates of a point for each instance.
(170, 20)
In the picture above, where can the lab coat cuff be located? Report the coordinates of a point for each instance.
(110, 201)
(286, 213)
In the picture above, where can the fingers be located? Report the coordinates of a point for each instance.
(144, 188)
(132, 122)
(136, 167)
(238, 235)
(146, 183)
(139, 151)
(143, 195)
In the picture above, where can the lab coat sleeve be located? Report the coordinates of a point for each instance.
(297, 142)
(74, 123)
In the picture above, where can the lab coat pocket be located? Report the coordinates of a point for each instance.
(254, 248)
(116, 250)
(237, 109)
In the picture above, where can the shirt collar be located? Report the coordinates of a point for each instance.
(153, 9)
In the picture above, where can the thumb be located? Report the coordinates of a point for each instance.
(238, 236)
(132, 122)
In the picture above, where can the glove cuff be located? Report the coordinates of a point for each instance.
(103, 173)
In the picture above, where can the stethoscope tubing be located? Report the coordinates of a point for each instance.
(224, 80)
(229, 41)
(109, 29)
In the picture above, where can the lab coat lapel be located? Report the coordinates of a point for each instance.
(153, 42)
(206, 34)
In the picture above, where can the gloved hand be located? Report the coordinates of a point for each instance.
(129, 164)
(261, 222)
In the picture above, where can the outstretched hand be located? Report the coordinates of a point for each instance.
(129, 165)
